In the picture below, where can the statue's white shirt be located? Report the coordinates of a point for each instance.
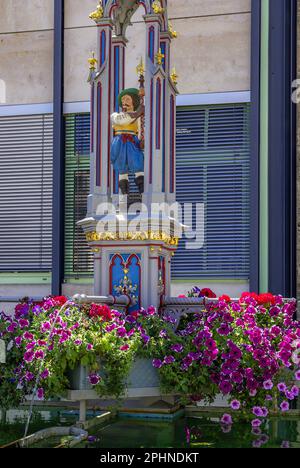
(121, 119)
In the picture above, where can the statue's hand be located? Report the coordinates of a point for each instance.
(138, 113)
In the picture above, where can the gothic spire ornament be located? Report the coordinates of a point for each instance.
(98, 13)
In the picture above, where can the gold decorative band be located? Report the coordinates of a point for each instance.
(132, 236)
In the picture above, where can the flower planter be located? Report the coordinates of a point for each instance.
(142, 375)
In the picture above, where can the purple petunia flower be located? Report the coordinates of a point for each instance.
(256, 443)
(256, 431)
(94, 379)
(78, 342)
(265, 412)
(226, 429)
(40, 394)
(285, 406)
(177, 348)
(225, 387)
(268, 385)
(295, 391)
(29, 376)
(157, 363)
(45, 374)
(89, 347)
(269, 398)
(145, 338)
(257, 411)
(256, 423)
(285, 444)
(226, 420)
(297, 375)
(121, 332)
(169, 360)
(235, 405)
(281, 387)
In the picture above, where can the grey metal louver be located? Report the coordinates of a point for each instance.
(26, 153)
(213, 168)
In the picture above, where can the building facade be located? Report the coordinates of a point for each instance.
(236, 144)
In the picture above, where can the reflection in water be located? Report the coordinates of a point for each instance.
(192, 432)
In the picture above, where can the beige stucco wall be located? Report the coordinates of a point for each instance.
(26, 51)
(26, 15)
(213, 48)
(212, 53)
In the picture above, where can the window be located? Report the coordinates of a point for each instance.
(26, 148)
(78, 258)
(213, 161)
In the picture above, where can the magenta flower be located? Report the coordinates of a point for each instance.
(39, 354)
(125, 348)
(89, 347)
(46, 326)
(78, 342)
(297, 375)
(265, 412)
(23, 323)
(284, 406)
(12, 327)
(28, 356)
(226, 420)
(235, 405)
(268, 385)
(18, 340)
(28, 336)
(295, 391)
(40, 394)
(269, 398)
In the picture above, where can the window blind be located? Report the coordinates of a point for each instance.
(26, 148)
(78, 257)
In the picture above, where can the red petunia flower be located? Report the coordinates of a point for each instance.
(60, 300)
(266, 298)
(225, 298)
(101, 311)
(206, 292)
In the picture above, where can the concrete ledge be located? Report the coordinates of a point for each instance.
(77, 395)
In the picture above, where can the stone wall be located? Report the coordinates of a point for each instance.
(212, 53)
